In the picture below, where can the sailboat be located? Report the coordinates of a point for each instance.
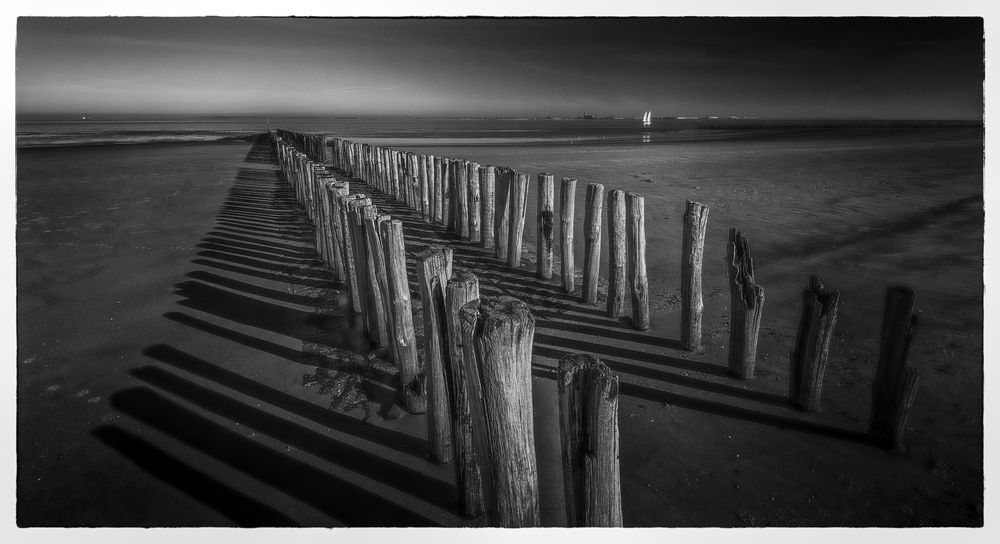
(647, 119)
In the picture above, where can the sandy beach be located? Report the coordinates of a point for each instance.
(176, 331)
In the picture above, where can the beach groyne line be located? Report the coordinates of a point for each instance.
(806, 364)
(407, 178)
(477, 370)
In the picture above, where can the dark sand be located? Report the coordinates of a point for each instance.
(163, 343)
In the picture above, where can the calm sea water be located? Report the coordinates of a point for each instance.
(51, 131)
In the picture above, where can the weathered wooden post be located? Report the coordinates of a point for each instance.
(692, 305)
(438, 214)
(896, 380)
(462, 289)
(322, 245)
(746, 305)
(487, 193)
(812, 344)
(475, 218)
(502, 331)
(337, 190)
(447, 182)
(618, 305)
(588, 427)
(462, 199)
(518, 207)
(376, 281)
(412, 381)
(414, 182)
(433, 276)
(567, 214)
(426, 167)
(395, 175)
(635, 234)
(592, 242)
(503, 213)
(351, 272)
(546, 226)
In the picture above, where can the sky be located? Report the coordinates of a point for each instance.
(901, 68)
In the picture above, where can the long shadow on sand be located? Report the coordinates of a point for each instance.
(561, 312)
(257, 270)
(341, 499)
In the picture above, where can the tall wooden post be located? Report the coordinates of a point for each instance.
(425, 187)
(354, 273)
(692, 305)
(592, 242)
(412, 382)
(462, 199)
(518, 204)
(567, 214)
(546, 226)
(618, 304)
(472, 175)
(746, 305)
(503, 339)
(438, 189)
(635, 234)
(503, 213)
(588, 426)
(896, 380)
(812, 344)
(487, 192)
(447, 181)
(376, 284)
(433, 275)
(462, 289)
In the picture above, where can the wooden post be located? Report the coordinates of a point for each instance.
(412, 381)
(462, 289)
(321, 222)
(592, 242)
(355, 220)
(462, 199)
(472, 174)
(414, 182)
(376, 280)
(635, 234)
(746, 304)
(447, 181)
(588, 426)
(617, 253)
(503, 213)
(395, 176)
(567, 215)
(426, 167)
(350, 267)
(546, 226)
(503, 337)
(692, 305)
(438, 189)
(518, 205)
(487, 193)
(812, 344)
(433, 275)
(896, 380)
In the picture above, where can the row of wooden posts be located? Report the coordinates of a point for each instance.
(374, 269)
(476, 382)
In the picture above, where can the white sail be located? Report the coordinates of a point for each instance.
(647, 118)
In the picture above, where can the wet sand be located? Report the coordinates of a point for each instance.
(167, 334)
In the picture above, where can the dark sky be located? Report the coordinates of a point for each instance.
(763, 67)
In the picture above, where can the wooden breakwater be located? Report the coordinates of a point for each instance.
(474, 378)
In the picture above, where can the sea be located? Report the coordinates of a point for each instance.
(61, 130)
